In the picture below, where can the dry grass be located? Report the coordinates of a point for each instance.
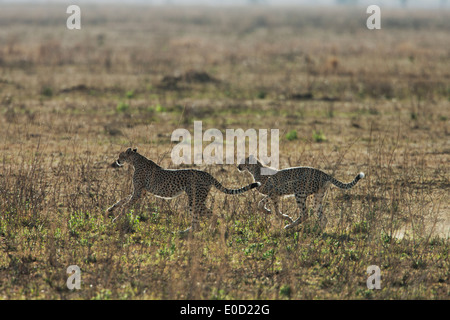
(72, 100)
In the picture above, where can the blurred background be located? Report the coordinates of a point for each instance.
(385, 3)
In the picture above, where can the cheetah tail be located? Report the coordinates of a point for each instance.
(236, 191)
(349, 185)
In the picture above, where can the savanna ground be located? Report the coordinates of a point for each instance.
(345, 99)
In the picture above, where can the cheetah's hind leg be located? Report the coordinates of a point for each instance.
(318, 204)
(301, 203)
(196, 206)
(279, 213)
(262, 205)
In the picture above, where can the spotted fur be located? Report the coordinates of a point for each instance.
(167, 183)
(298, 181)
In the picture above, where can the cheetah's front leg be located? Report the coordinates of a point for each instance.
(131, 200)
(111, 209)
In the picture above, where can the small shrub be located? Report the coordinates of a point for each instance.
(132, 223)
(47, 91)
(104, 294)
(291, 135)
(123, 107)
(130, 94)
(285, 291)
(261, 95)
(159, 108)
(318, 136)
(360, 227)
(330, 112)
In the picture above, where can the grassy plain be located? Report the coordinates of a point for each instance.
(345, 99)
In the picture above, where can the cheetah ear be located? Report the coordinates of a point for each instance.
(135, 150)
(128, 151)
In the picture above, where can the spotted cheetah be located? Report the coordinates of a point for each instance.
(167, 184)
(298, 181)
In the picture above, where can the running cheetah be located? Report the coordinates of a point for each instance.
(167, 184)
(298, 181)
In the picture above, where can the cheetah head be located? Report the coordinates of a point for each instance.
(123, 157)
(249, 164)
